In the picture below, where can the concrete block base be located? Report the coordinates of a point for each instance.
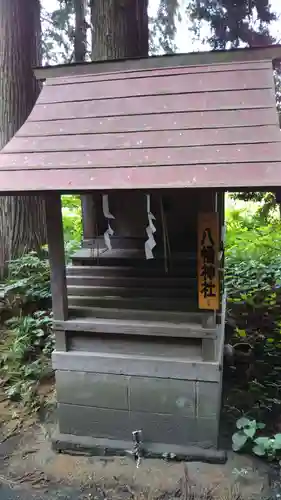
(105, 395)
(85, 445)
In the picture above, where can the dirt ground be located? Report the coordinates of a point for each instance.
(30, 470)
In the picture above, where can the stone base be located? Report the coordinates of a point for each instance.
(68, 443)
(173, 400)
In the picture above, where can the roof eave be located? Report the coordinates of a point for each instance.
(272, 52)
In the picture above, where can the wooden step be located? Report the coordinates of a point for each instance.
(130, 258)
(151, 304)
(130, 253)
(135, 327)
(131, 281)
(119, 261)
(137, 314)
(131, 271)
(118, 291)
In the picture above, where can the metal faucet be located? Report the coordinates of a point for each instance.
(137, 448)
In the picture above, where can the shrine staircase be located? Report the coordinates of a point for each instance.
(121, 293)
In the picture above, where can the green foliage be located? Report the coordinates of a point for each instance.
(163, 28)
(247, 438)
(25, 357)
(253, 277)
(267, 208)
(247, 430)
(58, 33)
(269, 447)
(233, 23)
(72, 218)
(26, 349)
(253, 257)
(29, 277)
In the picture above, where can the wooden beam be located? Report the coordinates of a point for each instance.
(135, 327)
(56, 256)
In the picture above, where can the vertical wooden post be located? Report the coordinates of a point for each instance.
(208, 204)
(88, 218)
(56, 256)
(221, 211)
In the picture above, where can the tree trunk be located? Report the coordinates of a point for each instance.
(22, 218)
(80, 49)
(80, 39)
(120, 29)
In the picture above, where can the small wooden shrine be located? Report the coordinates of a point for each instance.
(152, 145)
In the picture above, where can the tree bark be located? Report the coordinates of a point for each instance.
(80, 45)
(22, 218)
(80, 39)
(120, 29)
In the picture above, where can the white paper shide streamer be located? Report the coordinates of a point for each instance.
(150, 230)
(109, 232)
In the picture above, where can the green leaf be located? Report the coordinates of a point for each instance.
(277, 438)
(262, 441)
(250, 431)
(264, 444)
(259, 450)
(239, 439)
(241, 333)
(276, 444)
(243, 422)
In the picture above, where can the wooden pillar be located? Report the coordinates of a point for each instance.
(57, 263)
(208, 204)
(220, 206)
(88, 219)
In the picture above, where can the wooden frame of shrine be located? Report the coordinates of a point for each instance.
(151, 145)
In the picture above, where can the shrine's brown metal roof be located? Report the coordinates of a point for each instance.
(152, 123)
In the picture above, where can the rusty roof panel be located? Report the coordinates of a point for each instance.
(197, 155)
(205, 101)
(160, 72)
(154, 86)
(148, 122)
(191, 126)
(147, 139)
(236, 175)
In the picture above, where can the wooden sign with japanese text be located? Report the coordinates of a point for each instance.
(207, 261)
